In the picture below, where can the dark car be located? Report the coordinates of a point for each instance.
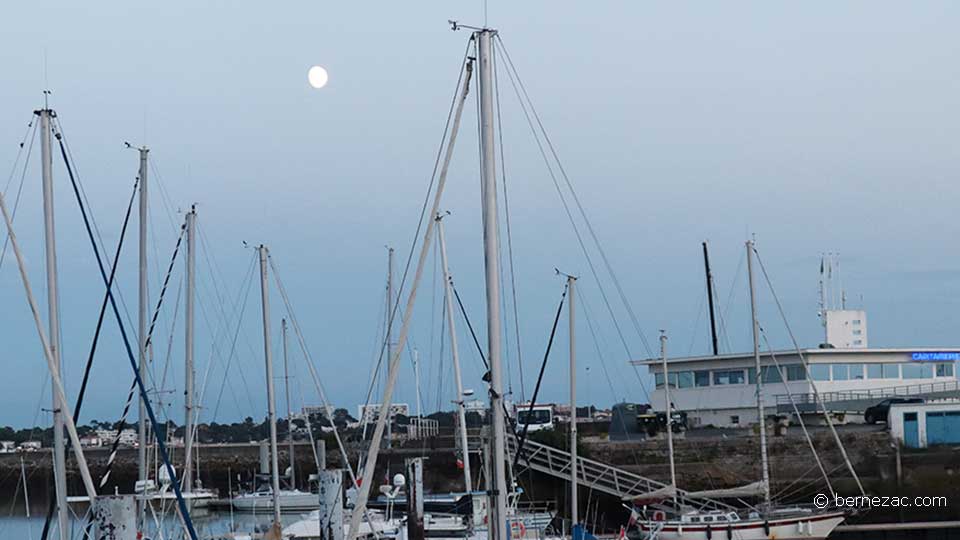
(878, 413)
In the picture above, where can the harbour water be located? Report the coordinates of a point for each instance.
(208, 525)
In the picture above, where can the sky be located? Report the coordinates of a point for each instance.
(815, 127)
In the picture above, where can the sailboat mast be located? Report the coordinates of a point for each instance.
(271, 405)
(286, 389)
(668, 411)
(187, 482)
(573, 404)
(759, 384)
(461, 408)
(53, 316)
(713, 320)
(142, 317)
(488, 188)
(389, 321)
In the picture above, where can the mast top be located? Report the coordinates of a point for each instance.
(455, 25)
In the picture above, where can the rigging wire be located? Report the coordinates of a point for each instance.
(806, 369)
(16, 203)
(426, 200)
(576, 199)
(506, 213)
(576, 230)
(803, 425)
(543, 366)
(184, 513)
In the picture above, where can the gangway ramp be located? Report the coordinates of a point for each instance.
(857, 401)
(597, 475)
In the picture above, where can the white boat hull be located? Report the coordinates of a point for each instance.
(813, 527)
(290, 501)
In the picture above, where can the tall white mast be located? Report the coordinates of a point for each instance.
(668, 412)
(53, 316)
(416, 375)
(271, 405)
(142, 319)
(389, 331)
(461, 408)
(286, 389)
(373, 449)
(488, 188)
(573, 404)
(187, 482)
(759, 379)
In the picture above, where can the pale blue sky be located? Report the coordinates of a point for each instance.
(817, 126)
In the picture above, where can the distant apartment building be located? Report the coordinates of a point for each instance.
(369, 414)
(128, 437)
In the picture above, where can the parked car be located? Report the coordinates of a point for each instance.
(878, 413)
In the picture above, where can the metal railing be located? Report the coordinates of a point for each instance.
(597, 475)
(918, 389)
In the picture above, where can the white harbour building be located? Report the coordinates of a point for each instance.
(721, 390)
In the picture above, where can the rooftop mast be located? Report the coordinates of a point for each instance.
(713, 322)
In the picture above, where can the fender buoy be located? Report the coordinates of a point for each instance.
(517, 529)
(729, 531)
(659, 515)
(709, 532)
(766, 527)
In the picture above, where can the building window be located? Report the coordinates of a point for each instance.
(891, 371)
(658, 380)
(856, 322)
(752, 375)
(856, 372)
(874, 371)
(857, 332)
(841, 372)
(917, 371)
(795, 372)
(685, 379)
(728, 377)
(820, 372)
(770, 374)
(735, 419)
(701, 378)
(944, 370)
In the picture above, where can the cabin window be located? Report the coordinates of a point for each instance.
(735, 419)
(944, 370)
(685, 379)
(701, 378)
(707, 519)
(695, 519)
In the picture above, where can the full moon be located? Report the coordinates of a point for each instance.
(317, 77)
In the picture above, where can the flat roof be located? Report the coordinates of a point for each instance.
(793, 352)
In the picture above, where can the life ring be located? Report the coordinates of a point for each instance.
(659, 515)
(517, 529)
